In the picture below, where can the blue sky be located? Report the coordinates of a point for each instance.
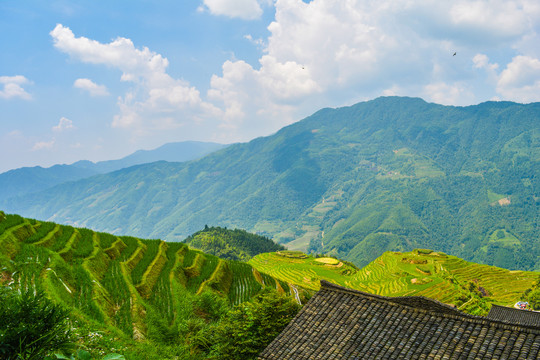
(98, 80)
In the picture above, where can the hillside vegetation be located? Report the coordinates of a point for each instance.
(231, 244)
(471, 287)
(391, 174)
(128, 288)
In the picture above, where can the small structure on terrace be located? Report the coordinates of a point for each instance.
(339, 323)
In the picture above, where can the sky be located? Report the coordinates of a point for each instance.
(98, 80)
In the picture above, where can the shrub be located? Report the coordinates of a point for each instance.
(251, 326)
(32, 326)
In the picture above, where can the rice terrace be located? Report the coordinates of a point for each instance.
(470, 287)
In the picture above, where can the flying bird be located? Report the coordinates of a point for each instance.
(454, 54)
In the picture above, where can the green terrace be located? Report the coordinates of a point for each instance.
(469, 286)
(121, 281)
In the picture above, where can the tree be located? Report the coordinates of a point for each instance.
(251, 326)
(31, 325)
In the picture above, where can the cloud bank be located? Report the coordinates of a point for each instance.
(328, 53)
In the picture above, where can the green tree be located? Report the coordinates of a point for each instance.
(251, 326)
(32, 326)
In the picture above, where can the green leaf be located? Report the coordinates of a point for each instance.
(114, 357)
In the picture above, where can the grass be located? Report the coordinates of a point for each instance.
(493, 196)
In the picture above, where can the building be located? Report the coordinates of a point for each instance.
(339, 323)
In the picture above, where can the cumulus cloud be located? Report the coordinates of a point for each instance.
(446, 94)
(243, 9)
(12, 87)
(44, 145)
(155, 95)
(520, 80)
(361, 49)
(481, 61)
(90, 86)
(63, 124)
(331, 53)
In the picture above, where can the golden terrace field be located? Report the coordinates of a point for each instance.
(471, 287)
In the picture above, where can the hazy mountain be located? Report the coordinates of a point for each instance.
(172, 152)
(33, 179)
(388, 174)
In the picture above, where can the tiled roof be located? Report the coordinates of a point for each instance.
(514, 316)
(339, 323)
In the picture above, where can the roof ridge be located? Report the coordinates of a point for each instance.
(431, 306)
(401, 300)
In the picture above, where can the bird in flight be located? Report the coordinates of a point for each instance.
(454, 54)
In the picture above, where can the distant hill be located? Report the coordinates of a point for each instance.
(231, 244)
(470, 287)
(391, 174)
(33, 179)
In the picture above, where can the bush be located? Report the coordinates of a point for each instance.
(32, 326)
(251, 326)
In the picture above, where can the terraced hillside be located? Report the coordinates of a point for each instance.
(137, 286)
(471, 287)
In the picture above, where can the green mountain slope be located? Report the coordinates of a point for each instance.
(471, 287)
(392, 174)
(138, 288)
(231, 244)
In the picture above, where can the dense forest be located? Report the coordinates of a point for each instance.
(388, 174)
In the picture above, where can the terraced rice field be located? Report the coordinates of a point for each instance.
(115, 280)
(301, 270)
(472, 287)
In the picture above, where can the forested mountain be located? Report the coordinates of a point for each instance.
(33, 179)
(389, 174)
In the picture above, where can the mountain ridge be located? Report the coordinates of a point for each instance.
(21, 181)
(388, 174)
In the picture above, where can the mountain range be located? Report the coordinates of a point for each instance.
(27, 180)
(392, 174)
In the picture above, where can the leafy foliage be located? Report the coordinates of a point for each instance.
(532, 295)
(251, 326)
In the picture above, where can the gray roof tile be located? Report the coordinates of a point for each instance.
(339, 323)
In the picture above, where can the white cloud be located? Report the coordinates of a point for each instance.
(63, 124)
(12, 87)
(44, 145)
(90, 86)
(520, 80)
(446, 94)
(155, 96)
(349, 49)
(331, 53)
(243, 9)
(481, 61)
